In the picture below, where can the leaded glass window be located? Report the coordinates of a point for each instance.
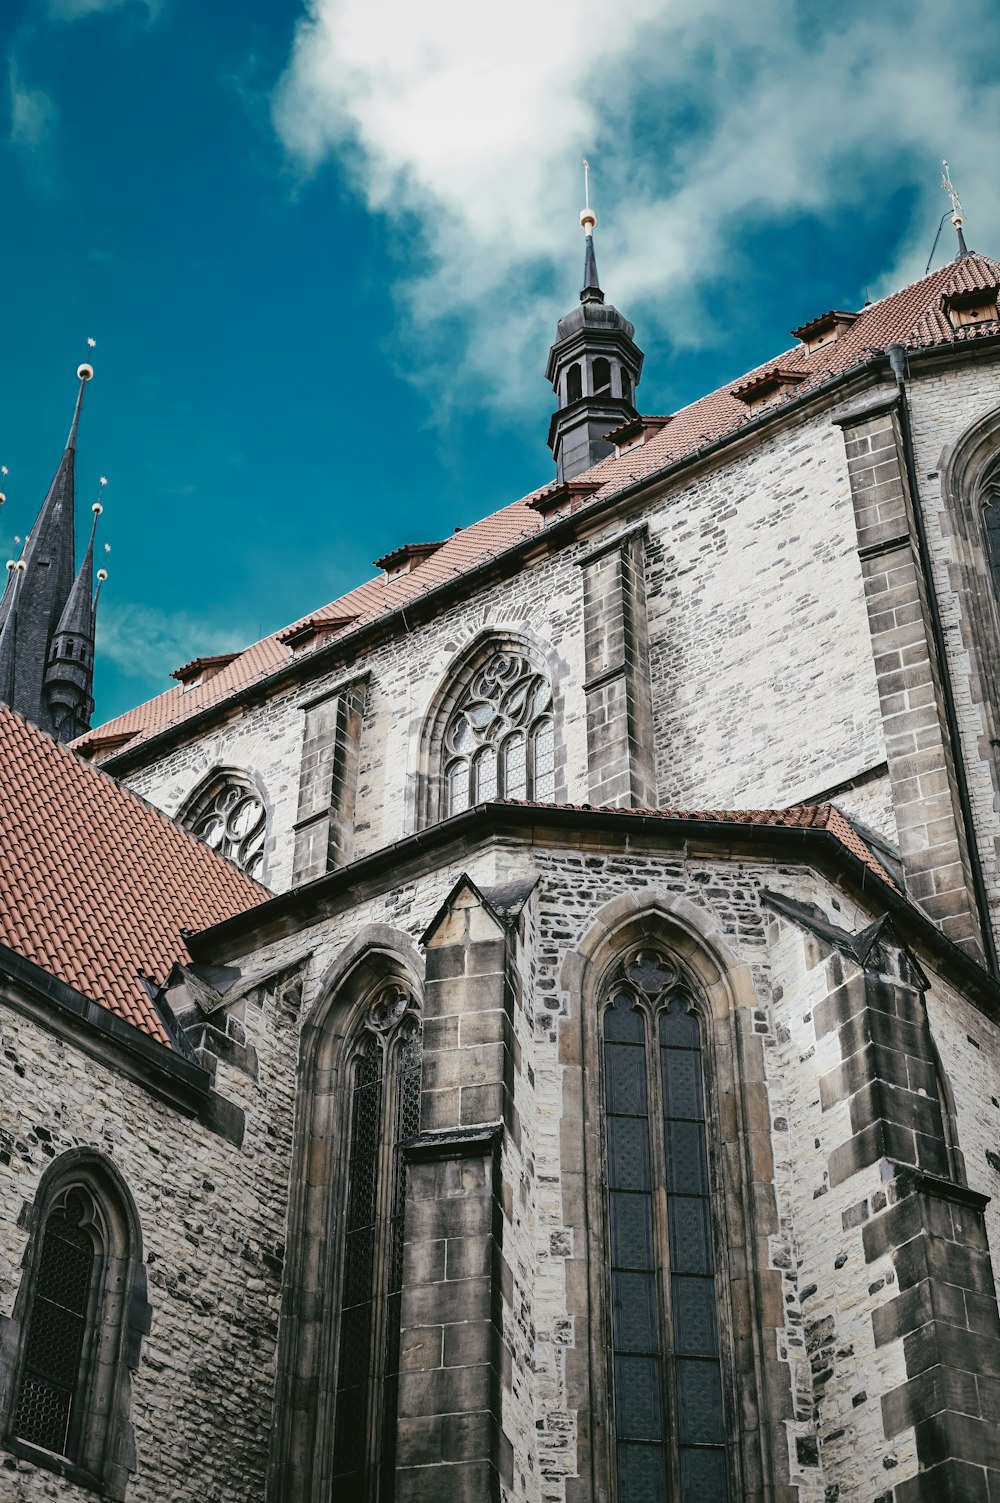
(384, 1112)
(991, 525)
(498, 742)
(51, 1392)
(230, 817)
(669, 1416)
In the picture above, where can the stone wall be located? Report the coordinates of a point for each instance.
(212, 1220)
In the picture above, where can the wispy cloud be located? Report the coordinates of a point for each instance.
(77, 10)
(33, 114)
(145, 643)
(464, 125)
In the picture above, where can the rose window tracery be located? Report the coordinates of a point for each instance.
(232, 820)
(499, 741)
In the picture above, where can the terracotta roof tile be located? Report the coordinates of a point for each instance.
(914, 316)
(96, 886)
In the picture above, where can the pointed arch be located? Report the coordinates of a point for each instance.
(669, 1287)
(79, 1317)
(359, 1073)
(229, 810)
(491, 730)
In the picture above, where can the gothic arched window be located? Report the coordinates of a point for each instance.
(229, 816)
(383, 1110)
(667, 1389)
(499, 742)
(991, 526)
(66, 1391)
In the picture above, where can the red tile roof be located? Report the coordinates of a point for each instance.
(96, 886)
(913, 316)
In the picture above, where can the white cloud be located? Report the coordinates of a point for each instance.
(77, 10)
(33, 114)
(144, 642)
(464, 124)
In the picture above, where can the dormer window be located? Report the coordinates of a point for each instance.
(313, 631)
(978, 306)
(826, 329)
(768, 387)
(638, 430)
(407, 558)
(200, 670)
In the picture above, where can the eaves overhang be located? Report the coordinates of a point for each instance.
(563, 530)
(475, 830)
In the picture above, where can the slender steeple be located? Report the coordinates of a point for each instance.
(594, 367)
(38, 589)
(957, 212)
(69, 673)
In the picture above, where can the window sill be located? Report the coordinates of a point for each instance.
(53, 1463)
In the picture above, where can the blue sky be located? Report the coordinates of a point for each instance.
(321, 248)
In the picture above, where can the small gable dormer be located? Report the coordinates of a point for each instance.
(200, 670)
(407, 558)
(826, 329)
(313, 631)
(768, 386)
(970, 306)
(636, 431)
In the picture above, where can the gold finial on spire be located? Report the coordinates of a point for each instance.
(587, 216)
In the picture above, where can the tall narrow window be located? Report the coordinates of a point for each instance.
(498, 741)
(52, 1391)
(991, 525)
(384, 1111)
(574, 384)
(670, 1434)
(78, 1316)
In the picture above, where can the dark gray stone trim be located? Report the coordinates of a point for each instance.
(862, 411)
(361, 679)
(887, 545)
(452, 1144)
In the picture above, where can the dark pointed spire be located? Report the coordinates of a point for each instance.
(38, 591)
(8, 631)
(69, 673)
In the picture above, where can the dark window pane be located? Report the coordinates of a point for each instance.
(703, 1477)
(634, 1313)
(625, 1079)
(641, 1474)
(678, 1027)
(631, 1230)
(689, 1219)
(574, 384)
(682, 1095)
(638, 1400)
(56, 1330)
(695, 1330)
(991, 519)
(628, 1153)
(687, 1168)
(623, 1024)
(699, 1402)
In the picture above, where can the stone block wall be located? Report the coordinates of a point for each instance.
(212, 1218)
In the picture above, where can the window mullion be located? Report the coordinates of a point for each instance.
(654, 1078)
(383, 1213)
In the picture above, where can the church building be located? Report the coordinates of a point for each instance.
(530, 1028)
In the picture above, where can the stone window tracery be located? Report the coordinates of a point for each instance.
(383, 1111)
(498, 742)
(667, 1388)
(78, 1319)
(229, 816)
